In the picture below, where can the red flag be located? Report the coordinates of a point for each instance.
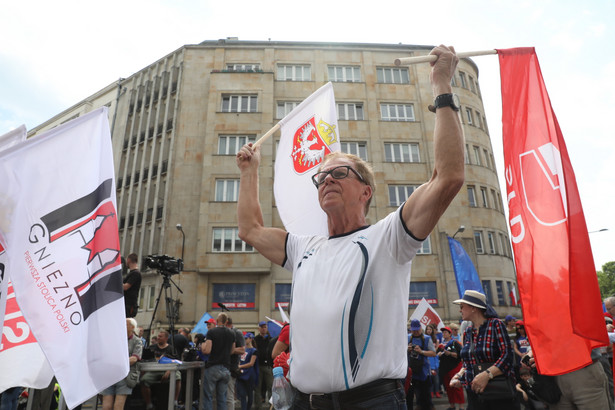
(555, 268)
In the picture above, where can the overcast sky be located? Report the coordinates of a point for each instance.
(54, 54)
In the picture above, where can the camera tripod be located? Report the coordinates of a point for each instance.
(169, 303)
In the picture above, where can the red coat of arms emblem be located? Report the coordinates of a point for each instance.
(309, 147)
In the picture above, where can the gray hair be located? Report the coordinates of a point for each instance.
(133, 322)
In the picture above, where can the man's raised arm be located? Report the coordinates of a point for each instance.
(268, 241)
(427, 204)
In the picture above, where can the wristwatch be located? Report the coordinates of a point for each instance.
(489, 374)
(445, 100)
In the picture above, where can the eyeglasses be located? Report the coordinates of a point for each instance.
(340, 172)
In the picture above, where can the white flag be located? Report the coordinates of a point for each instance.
(309, 133)
(60, 228)
(6, 141)
(425, 314)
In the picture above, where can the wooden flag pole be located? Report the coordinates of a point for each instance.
(267, 135)
(429, 58)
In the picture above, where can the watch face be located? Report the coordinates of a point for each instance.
(456, 101)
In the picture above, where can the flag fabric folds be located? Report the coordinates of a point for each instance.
(555, 268)
(60, 228)
(465, 272)
(201, 326)
(308, 134)
(513, 297)
(22, 360)
(425, 314)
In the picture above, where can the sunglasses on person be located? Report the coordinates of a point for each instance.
(340, 172)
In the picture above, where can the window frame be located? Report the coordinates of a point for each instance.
(251, 104)
(413, 151)
(240, 141)
(381, 75)
(234, 239)
(340, 73)
(225, 182)
(407, 116)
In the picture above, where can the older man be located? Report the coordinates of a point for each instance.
(353, 284)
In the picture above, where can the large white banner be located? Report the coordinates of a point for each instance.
(309, 133)
(59, 222)
(6, 141)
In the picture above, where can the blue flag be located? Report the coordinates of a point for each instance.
(201, 326)
(465, 272)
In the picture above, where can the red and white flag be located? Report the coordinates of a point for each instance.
(22, 361)
(425, 314)
(60, 229)
(513, 297)
(553, 257)
(309, 133)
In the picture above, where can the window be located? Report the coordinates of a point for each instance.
(472, 196)
(492, 245)
(285, 107)
(239, 103)
(499, 288)
(399, 193)
(356, 148)
(397, 152)
(349, 74)
(487, 159)
(243, 67)
(230, 144)
(288, 72)
(504, 245)
(425, 247)
(227, 190)
(511, 292)
(483, 194)
(478, 241)
(453, 81)
(469, 116)
(397, 112)
(392, 75)
(147, 297)
(420, 290)
(494, 199)
(472, 85)
(487, 289)
(477, 155)
(478, 122)
(349, 111)
(227, 240)
(467, 154)
(462, 79)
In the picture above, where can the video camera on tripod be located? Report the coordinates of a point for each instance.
(165, 264)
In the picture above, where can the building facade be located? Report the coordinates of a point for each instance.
(178, 123)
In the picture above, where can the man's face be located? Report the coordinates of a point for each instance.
(162, 338)
(610, 308)
(210, 325)
(262, 329)
(417, 333)
(347, 192)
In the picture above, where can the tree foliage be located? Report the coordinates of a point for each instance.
(606, 279)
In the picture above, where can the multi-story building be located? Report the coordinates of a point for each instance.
(177, 124)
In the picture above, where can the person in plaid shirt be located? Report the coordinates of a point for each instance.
(486, 340)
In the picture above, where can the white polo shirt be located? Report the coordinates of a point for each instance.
(350, 306)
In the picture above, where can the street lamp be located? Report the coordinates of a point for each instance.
(599, 230)
(460, 230)
(179, 228)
